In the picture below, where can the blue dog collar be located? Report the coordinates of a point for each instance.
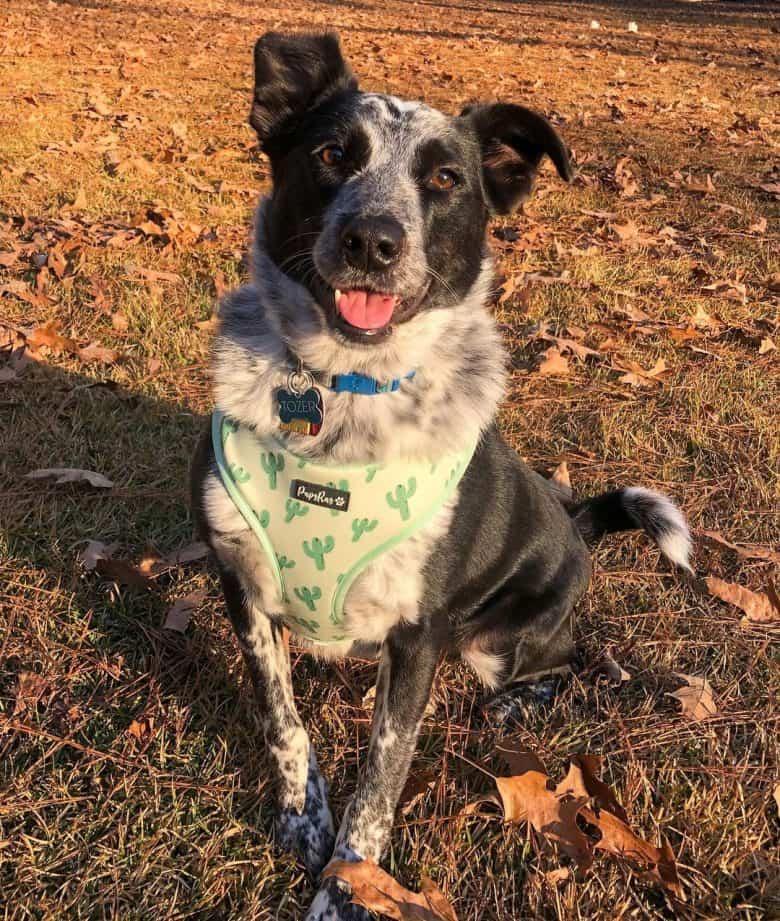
(368, 386)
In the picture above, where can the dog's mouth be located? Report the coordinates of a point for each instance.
(363, 315)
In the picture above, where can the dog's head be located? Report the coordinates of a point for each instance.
(379, 206)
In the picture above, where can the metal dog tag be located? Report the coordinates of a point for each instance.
(300, 404)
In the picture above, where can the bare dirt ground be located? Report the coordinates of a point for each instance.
(134, 783)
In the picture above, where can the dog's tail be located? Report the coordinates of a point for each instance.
(637, 508)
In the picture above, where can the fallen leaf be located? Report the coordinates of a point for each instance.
(29, 690)
(627, 232)
(100, 294)
(560, 476)
(153, 275)
(745, 551)
(123, 572)
(734, 290)
(767, 345)
(94, 551)
(633, 313)
(94, 353)
(198, 184)
(526, 797)
(702, 320)
(71, 475)
(619, 839)
(119, 166)
(636, 375)
(180, 612)
(377, 891)
(625, 178)
(188, 554)
(568, 345)
(553, 362)
(696, 697)
(613, 670)
(142, 729)
(119, 321)
(56, 261)
(415, 788)
(759, 608)
(49, 336)
(683, 334)
(777, 797)
(583, 780)
(558, 876)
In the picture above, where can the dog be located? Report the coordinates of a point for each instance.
(362, 346)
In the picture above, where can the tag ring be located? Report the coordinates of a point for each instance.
(299, 381)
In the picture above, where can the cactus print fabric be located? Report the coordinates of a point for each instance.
(316, 552)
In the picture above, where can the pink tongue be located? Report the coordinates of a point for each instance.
(366, 309)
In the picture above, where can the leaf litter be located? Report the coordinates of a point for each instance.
(377, 891)
(564, 814)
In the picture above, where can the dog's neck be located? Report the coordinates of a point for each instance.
(456, 353)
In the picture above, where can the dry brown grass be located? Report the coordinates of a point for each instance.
(95, 823)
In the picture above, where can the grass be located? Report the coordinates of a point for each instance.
(97, 823)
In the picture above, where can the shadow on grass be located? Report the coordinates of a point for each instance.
(108, 666)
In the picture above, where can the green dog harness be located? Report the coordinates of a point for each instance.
(320, 525)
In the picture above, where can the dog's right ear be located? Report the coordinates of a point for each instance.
(293, 74)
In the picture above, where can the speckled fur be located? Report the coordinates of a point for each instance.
(497, 571)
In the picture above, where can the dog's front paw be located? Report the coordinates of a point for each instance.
(332, 903)
(309, 833)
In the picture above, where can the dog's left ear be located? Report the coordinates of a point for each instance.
(293, 74)
(513, 141)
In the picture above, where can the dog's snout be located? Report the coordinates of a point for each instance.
(372, 243)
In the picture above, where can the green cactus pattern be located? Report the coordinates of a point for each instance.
(371, 471)
(229, 427)
(294, 509)
(284, 563)
(272, 463)
(264, 518)
(238, 474)
(317, 550)
(453, 473)
(361, 526)
(402, 496)
(309, 596)
(310, 626)
(301, 463)
(343, 485)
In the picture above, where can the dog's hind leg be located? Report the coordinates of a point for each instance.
(304, 823)
(406, 671)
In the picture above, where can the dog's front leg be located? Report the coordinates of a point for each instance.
(304, 823)
(406, 669)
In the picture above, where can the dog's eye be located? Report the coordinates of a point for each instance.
(331, 155)
(442, 180)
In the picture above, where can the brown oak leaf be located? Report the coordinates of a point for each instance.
(696, 697)
(527, 796)
(377, 891)
(759, 608)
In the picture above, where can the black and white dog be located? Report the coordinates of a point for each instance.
(370, 259)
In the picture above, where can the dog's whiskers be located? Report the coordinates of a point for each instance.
(437, 277)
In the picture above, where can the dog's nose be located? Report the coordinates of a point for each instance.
(372, 243)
